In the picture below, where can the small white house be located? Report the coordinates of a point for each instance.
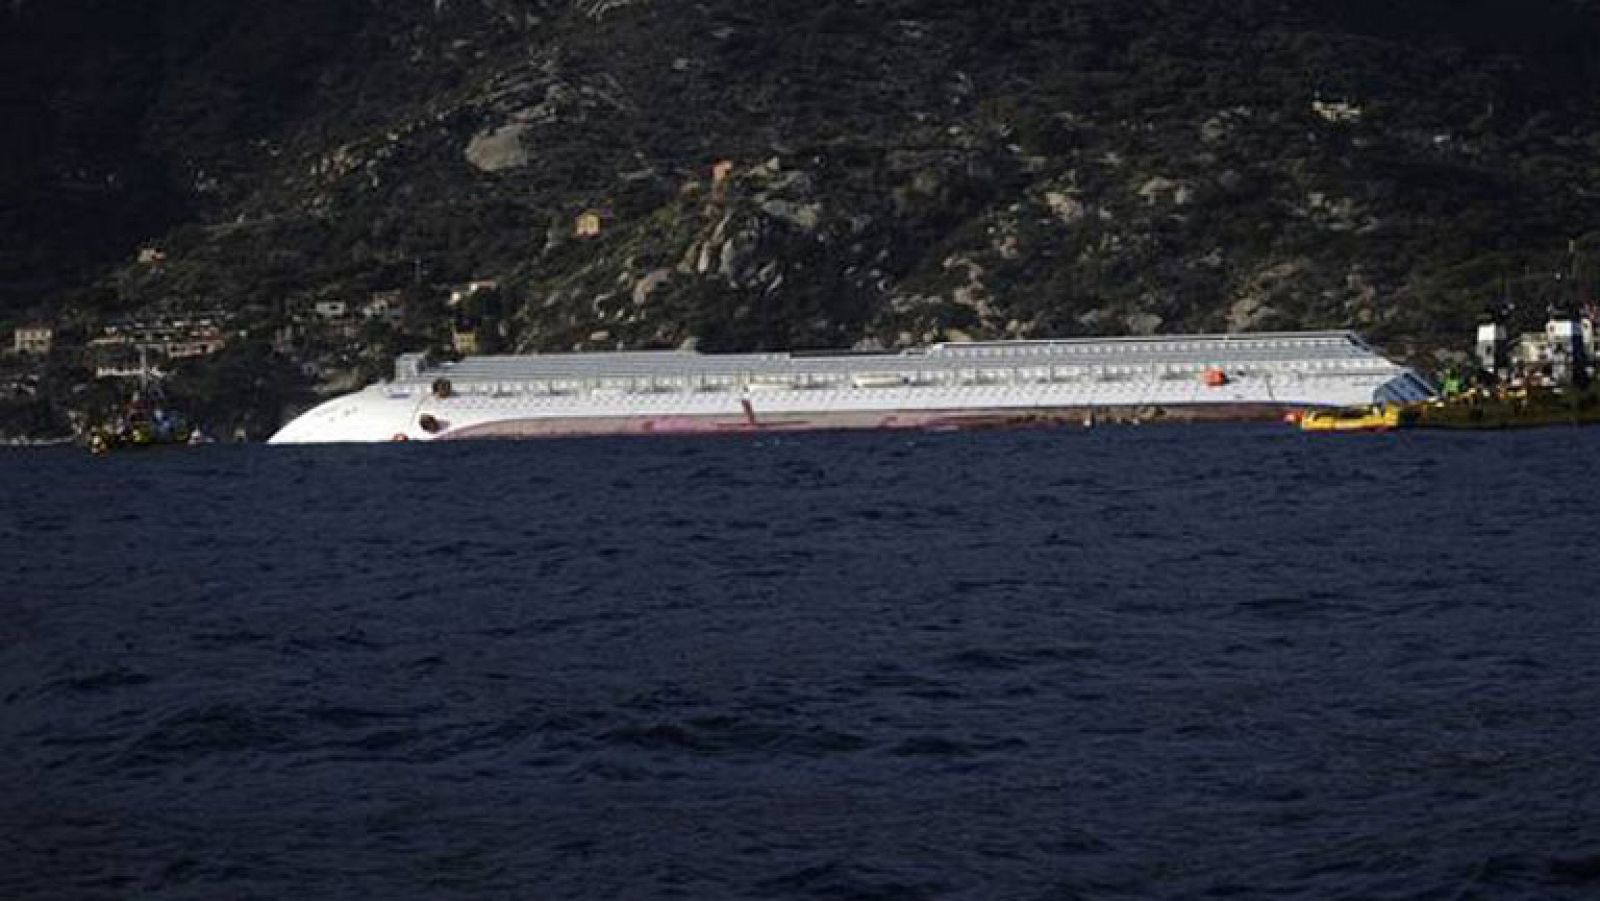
(34, 339)
(332, 309)
(1339, 112)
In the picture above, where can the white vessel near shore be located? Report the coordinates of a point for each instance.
(944, 386)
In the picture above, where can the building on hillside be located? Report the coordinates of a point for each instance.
(183, 338)
(34, 339)
(1339, 112)
(128, 368)
(195, 341)
(591, 223)
(384, 306)
(331, 309)
(459, 294)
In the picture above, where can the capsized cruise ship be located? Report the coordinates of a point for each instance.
(943, 386)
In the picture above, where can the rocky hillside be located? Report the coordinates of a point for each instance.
(901, 170)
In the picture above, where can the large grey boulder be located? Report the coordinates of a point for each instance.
(498, 149)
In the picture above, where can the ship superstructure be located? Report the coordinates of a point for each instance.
(941, 386)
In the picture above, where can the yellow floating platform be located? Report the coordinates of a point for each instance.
(1356, 419)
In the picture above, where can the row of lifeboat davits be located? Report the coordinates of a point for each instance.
(443, 389)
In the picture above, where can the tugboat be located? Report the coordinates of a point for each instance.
(146, 421)
(1546, 381)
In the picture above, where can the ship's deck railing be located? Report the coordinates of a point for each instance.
(976, 372)
(1238, 355)
(1114, 391)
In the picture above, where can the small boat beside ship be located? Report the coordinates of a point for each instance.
(1354, 419)
(145, 423)
(147, 420)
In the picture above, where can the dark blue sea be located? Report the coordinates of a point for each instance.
(1172, 663)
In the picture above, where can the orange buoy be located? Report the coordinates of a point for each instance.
(1215, 378)
(400, 436)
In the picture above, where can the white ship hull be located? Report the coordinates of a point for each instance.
(944, 386)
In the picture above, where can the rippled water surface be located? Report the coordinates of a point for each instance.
(1179, 662)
